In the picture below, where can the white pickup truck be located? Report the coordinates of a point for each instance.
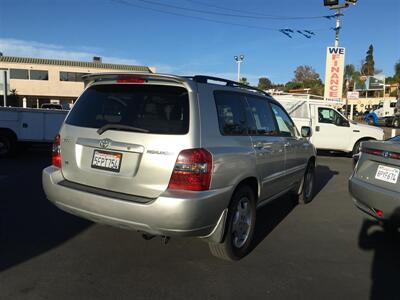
(28, 125)
(330, 129)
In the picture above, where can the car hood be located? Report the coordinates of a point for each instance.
(373, 131)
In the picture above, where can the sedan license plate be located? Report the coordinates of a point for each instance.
(104, 160)
(387, 174)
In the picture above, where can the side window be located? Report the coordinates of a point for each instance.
(330, 116)
(325, 115)
(285, 124)
(262, 115)
(231, 113)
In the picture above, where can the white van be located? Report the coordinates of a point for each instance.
(331, 130)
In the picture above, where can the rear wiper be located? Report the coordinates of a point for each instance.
(120, 127)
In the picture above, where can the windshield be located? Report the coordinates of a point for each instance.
(153, 108)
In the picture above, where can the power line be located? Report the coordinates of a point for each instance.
(128, 3)
(249, 16)
(124, 2)
(266, 16)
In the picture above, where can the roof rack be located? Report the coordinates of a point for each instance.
(205, 79)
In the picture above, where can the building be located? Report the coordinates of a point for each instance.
(51, 80)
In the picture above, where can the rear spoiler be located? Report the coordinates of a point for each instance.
(96, 77)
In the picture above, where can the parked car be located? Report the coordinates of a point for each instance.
(331, 130)
(374, 184)
(177, 156)
(27, 125)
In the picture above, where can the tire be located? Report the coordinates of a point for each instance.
(356, 148)
(390, 227)
(306, 193)
(239, 227)
(7, 145)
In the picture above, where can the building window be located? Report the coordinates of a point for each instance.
(19, 74)
(71, 76)
(39, 75)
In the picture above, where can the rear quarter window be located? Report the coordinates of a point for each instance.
(231, 113)
(155, 108)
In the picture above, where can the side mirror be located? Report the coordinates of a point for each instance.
(306, 131)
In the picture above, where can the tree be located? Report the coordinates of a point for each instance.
(352, 75)
(305, 74)
(305, 77)
(368, 67)
(349, 71)
(243, 80)
(264, 83)
(13, 98)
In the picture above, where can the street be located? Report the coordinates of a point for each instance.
(324, 250)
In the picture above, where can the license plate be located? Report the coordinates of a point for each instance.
(387, 174)
(104, 160)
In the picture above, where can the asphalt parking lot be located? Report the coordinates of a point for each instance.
(324, 250)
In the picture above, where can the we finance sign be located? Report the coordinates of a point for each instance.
(334, 73)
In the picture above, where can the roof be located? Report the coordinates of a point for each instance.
(70, 63)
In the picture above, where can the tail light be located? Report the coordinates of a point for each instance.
(386, 154)
(56, 154)
(192, 170)
(378, 212)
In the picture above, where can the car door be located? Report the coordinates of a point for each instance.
(268, 146)
(332, 130)
(296, 147)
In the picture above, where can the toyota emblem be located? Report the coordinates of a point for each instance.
(104, 143)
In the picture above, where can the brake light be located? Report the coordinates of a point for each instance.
(56, 153)
(378, 212)
(192, 170)
(130, 79)
(373, 152)
(395, 155)
(385, 154)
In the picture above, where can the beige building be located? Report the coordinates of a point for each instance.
(52, 80)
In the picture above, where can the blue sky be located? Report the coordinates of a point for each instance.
(136, 32)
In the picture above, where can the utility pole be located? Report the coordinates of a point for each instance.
(239, 59)
(337, 28)
(334, 5)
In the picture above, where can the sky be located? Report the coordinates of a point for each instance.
(188, 37)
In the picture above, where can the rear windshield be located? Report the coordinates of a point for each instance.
(154, 108)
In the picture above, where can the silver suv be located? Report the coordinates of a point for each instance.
(178, 156)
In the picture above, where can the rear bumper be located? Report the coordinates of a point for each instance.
(367, 197)
(174, 213)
